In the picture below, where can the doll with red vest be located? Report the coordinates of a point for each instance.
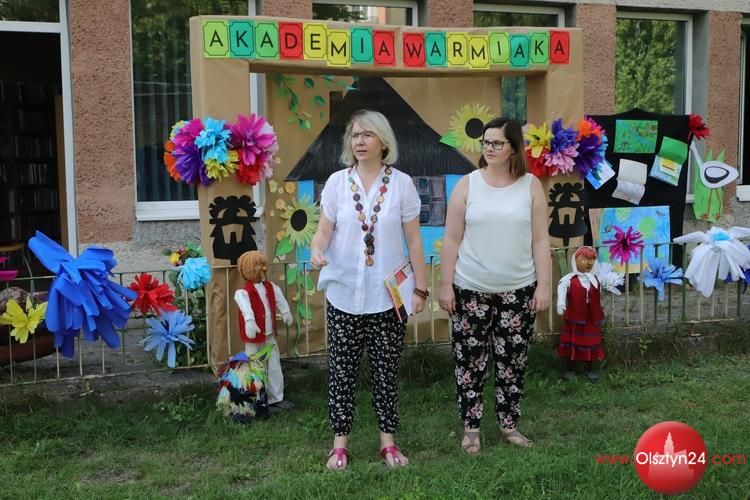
(259, 301)
(579, 303)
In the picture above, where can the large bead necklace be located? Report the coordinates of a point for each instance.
(369, 239)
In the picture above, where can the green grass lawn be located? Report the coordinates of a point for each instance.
(181, 447)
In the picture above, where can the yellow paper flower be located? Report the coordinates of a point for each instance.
(24, 323)
(281, 203)
(538, 138)
(301, 221)
(272, 185)
(290, 187)
(466, 127)
(174, 258)
(218, 171)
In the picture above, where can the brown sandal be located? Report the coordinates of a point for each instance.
(473, 442)
(516, 438)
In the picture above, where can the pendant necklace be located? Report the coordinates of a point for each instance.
(368, 229)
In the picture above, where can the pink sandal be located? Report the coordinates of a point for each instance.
(340, 454)
(393, 451)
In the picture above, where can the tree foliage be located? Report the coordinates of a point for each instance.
(649, 74)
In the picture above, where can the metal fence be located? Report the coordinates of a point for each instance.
(636, 308)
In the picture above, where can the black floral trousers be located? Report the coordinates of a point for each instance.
(383, 333)
(497, 323)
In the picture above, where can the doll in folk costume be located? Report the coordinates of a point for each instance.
(579, 303)
(259, 301)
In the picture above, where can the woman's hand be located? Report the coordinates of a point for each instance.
(417, 304)
(317, 258)
(447, 298)
(540, 301)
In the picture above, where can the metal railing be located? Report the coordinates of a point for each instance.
(636, 308)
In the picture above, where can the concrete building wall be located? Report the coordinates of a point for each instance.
(102, 81)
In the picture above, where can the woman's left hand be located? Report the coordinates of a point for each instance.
(540, 301)
(417, 304)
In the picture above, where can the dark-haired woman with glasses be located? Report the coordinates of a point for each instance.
(495, 267)
(367, 210)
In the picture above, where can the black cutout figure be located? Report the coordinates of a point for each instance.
(567, 196)
(229, 211)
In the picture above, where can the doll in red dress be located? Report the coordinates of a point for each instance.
(579, 303)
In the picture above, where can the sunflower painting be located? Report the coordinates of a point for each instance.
(299, 218)
(466, 127)
(300, 221)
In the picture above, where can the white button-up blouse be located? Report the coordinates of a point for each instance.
(350, 284)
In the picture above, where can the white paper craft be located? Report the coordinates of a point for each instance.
(719, 254)
(631, 181)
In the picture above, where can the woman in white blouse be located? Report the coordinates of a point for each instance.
(367, 210)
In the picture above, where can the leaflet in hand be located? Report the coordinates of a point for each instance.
(400, 284)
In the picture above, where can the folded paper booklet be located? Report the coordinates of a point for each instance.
(400, 285)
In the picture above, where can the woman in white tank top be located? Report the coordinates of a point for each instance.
(495, 268)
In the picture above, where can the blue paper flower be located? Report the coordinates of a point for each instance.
(170, 328)
(82, 296)
(213, 140)
(745, 279)
(660, 273)
(195, 273)
(562, 138)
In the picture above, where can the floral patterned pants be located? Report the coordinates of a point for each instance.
(500, 323)
(347, 334)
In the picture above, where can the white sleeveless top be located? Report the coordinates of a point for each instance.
(495, 253)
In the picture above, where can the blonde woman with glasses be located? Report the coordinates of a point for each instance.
(367, 210)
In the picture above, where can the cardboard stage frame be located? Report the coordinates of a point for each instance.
(220, 89)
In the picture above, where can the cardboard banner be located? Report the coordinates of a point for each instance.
(328, 44)
(296, 55)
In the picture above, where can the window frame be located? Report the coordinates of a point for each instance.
(407, 4)
(152, 211)
(687, 63)
(743, 190)
(524, 9)
(60, 28)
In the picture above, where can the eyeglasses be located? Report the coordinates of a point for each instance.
(366, 135)
(493, 145)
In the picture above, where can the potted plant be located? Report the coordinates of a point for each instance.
(23, 334)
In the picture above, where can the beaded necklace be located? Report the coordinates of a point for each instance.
(369, 239)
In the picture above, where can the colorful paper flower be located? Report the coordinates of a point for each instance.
(195, 273)
(151, 297)
(23, 323)
(255, 142)
(218, 171)
(170, 161)
(660, 273)
(698, 128)
(301, 221)
(187, 133)
(213, 140)
(562, 149)
(592, 144)
(625, 245)
(82, 297)
(176, 128)
(190, 165)
(538, 139)
(7, 275)
(165, 332)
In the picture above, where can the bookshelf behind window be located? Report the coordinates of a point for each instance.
(30, 192)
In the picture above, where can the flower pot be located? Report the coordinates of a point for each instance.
(42, 341)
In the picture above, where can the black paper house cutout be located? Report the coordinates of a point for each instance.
(420, 152)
